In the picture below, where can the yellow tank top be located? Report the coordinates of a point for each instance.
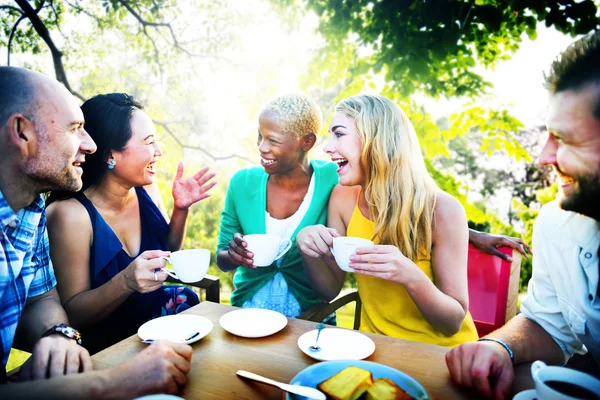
(387, 309)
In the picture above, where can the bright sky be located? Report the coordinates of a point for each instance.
(518, 81)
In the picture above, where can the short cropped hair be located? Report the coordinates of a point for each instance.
(296, 114)
(17, 94)
(576, 67)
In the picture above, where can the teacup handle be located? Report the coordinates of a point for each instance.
(535, 368)
(289, 245)
(172, 274)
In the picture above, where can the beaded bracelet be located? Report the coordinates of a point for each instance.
(501, 343)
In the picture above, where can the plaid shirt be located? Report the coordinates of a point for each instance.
(25, 267)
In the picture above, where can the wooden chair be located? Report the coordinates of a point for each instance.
(210, 284)
(320, 311)
(493, 288)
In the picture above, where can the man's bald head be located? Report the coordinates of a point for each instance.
(22, 91)
(17, 93)
(41, 134)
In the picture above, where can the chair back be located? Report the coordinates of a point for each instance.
(493, 288)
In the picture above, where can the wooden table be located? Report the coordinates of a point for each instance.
(219, 355)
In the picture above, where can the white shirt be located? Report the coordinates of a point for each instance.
(562, 296)
(285, 228)
(275, 294)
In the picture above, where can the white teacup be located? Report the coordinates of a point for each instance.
(189, 265)
(560, 383)
(265, 247)
(344, 247)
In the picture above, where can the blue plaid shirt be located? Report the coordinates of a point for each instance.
(25, 267)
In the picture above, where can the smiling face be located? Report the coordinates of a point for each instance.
(136, 163)
(344, 147)
(62, 143)
(573, 148)
(280, 153)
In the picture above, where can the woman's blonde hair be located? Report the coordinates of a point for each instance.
(296, 114)
(399, 190)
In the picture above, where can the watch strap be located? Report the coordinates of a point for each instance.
(66, 331)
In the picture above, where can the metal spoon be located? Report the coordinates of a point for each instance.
(184, 340)
(316, 347)
(305, 391)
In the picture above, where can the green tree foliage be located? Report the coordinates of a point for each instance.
(432, 46)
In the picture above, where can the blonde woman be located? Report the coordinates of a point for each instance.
(413, 281)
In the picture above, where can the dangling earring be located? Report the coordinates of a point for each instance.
(111, 164)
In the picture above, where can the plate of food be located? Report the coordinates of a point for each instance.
(336, 344)
(253, 322)
(180, 328)
(354, 379)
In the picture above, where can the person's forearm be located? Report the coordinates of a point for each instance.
(91, 306)
(92, 385)
(321, 277)
(177, 228)
(440, 310)
(40, 314)
(473, 235)
(224, 261)
(529, 341)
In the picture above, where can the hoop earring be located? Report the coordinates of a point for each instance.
(111, 164)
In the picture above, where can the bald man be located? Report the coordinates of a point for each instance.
(42, 147)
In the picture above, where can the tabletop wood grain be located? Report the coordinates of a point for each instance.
(218, 356)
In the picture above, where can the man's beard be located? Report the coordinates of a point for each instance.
(50, 170)
(47, 180)
(585, 199)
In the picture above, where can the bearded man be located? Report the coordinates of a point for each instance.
(561, 314)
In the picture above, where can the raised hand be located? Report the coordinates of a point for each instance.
(189, 191)
(238, 253)
(316, 241)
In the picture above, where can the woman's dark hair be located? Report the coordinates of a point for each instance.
(108, 122)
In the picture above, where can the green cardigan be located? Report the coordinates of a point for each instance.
(244, 212)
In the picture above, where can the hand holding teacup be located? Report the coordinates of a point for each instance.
(316, 241)
(144, 274)
(257, 250)
(345, 247)
(239, 253)
(189, 265)
(267, 248)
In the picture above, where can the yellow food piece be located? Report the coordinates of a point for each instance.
(348, 384)
(386, 389)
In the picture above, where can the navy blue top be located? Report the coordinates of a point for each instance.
(107, 259)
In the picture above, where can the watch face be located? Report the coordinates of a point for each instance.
(69, 332)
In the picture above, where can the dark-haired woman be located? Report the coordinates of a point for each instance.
(107, 240)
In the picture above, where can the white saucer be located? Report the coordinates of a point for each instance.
(175, 328)
(253, 322)
(526, 395)
(337, 344)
